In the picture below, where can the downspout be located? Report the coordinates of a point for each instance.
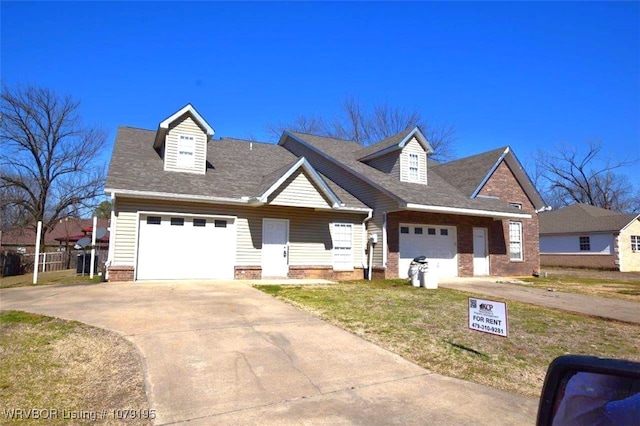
(365, 240)
(112, 237)
(384, 240)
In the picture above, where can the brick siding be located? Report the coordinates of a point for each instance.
(120, 273)
(503, 185)
(596, 261)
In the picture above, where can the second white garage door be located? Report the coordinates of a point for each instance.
(437, 243)
(172, 247)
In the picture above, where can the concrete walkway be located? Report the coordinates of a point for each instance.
(225, 353)
(616, 309)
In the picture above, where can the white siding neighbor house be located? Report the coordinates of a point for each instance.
(581, 235)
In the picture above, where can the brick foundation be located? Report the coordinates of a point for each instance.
(120, 273)
(595, 261)
(248, 272)
(302, 272)
(324, 272)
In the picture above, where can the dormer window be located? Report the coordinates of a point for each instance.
(186, 151)
(413, 167)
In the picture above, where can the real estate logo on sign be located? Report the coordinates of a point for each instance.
(488, 316)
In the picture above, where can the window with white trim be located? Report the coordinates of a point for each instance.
(342, 246)
(515, 241)
(516, 205)
(186, 151)
(635, 242)
(585, 244)
(413, 167)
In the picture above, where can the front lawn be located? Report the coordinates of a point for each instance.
(594, 286)
(429, 327)
(66, 372)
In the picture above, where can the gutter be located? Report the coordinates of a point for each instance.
(465, 212)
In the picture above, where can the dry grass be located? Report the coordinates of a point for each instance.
(48, 363)
(430, 328)
(623, 287)
(67, 276)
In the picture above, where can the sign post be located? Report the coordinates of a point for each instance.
(488, 316)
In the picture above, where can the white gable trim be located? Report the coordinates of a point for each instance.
(415, 132)
(197, 117)
(311, 172)
(521, 176)
(465, 212)
(630, 223)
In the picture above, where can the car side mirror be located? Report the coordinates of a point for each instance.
(585, 390)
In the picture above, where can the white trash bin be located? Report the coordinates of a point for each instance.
(428, 278)
(414, 274)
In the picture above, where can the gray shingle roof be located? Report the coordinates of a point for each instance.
(384, 144)
(438, 192)
(582, 218)
(467, 173)
(236, 169)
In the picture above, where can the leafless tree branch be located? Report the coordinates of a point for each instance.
(48, 164)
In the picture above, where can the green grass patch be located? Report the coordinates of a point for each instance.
(430, 328)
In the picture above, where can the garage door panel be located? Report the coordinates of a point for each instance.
(436, 243)
(184, 247)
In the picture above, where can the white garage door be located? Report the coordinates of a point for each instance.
(437, 243)
(183, 247)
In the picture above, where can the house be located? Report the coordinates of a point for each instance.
(582, 235)
(62, 237)
(187, 206)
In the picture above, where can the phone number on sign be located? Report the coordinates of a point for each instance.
(488, 328)
(124, 414)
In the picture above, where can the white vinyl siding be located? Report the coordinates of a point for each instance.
(515, 241)
(342, 235)
(309, 239)
(566, 244)
(413, 150)
(299, 191)
(178, 140)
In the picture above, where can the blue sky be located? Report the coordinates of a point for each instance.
(529, 75)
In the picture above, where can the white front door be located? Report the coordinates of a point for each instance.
(480, 252)
(275, 247)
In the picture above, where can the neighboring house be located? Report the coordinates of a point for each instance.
(188, 206)
(62, 237)
(581, 235)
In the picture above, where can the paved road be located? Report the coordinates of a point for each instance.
(225, 353)
(620, 310)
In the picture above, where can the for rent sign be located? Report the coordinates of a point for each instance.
(488, 316)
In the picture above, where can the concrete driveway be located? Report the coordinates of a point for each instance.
(225, 353)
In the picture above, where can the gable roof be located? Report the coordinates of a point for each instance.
(394, 143)
(470, 174)
(583, 218)
(238, 171)
(188, 109)
(438, 196)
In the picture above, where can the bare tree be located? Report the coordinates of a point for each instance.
(567, 175)
(48, 158)
(366, 126)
